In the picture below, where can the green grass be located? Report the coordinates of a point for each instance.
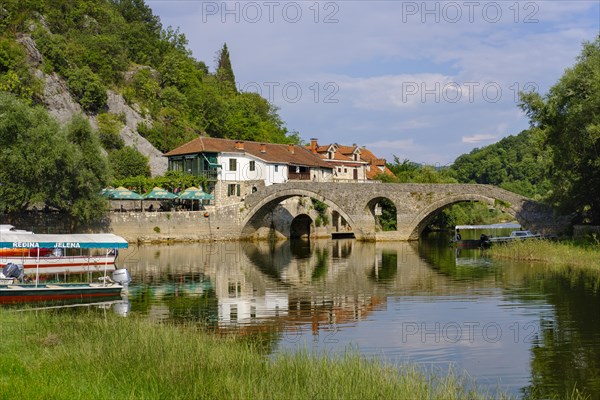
(48, 355)
(556, 254)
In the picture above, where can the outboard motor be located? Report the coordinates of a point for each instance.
(12, 270)
(121, 276)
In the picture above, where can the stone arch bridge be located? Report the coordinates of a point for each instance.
(416, 205)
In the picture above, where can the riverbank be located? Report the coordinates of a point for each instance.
(87, 355)
(556, 254)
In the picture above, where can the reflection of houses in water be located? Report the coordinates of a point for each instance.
(323, 311)
(248, 308)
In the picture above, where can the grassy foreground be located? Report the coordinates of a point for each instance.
(86, 355)
(558, 254)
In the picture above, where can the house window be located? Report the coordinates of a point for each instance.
(252, 165)
(237, 190)
(233, 164)
(345, 170)
(339, 169)
(231, 189)
(277, 168)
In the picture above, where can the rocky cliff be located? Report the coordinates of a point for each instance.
(62, 106)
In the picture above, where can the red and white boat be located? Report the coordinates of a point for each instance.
(58, 253)
(67, 253)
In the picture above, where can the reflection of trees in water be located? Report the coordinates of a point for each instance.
(465, 264)
(190, 307)
(322, 256)
(566, 351)
(386, 269)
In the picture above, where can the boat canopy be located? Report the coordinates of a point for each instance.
(492, 226)
(16, 240)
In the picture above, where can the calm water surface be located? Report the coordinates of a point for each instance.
(513, 326)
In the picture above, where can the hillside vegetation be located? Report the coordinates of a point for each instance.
(120, 44)
(95, 48)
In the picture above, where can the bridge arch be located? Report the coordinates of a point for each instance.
(379, 205)
(424, 216)
(301, 227)
(256, 214)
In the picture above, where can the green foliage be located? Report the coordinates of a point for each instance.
(321, 209)
(225, 73)
(120, 44)
(388, 218)
(468, 213)
(568, 118)
(517, 163)
(410, 172)
(90, 171)
(128, 162)
(87, 89)
(14, 72)
(109, 126)
(40, 162)
(171, 180)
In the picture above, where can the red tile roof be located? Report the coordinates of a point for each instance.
(274, 153)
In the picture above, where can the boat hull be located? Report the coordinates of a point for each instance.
(60, 292)
(60, 264)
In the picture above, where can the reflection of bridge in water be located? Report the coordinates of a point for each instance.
(258, 286)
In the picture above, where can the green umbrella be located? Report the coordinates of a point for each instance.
(122, 193)
(193, 193)
(160, 194)
(106, 192)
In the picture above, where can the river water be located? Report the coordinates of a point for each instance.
(512, 326)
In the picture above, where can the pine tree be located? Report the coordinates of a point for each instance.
(224, 69)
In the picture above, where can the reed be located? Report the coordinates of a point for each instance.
(555, 254)
(49, 355)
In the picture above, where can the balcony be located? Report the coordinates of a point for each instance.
(299, 176)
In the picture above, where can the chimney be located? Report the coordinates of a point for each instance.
(291, 148)
(239, 145)
(263, 148)
(313, 145)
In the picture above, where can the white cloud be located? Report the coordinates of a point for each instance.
(475, 139)
(376, 54)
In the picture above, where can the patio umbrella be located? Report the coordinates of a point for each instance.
(106, 192)
(193, 193)
(159, 194)
(122, 193)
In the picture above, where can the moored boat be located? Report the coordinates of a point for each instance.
(56, 253)
(15, 289)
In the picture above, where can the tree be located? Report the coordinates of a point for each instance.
(517, 163)
(32, 151)
(224, 69)
(89, 173)
(87, 88)
(40, 162)
(569, 118)
(128, 162)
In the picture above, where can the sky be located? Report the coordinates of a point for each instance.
(425, 81)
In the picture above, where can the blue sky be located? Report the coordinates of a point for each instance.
(425, 81)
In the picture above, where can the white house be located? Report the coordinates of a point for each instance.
(235, 168)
